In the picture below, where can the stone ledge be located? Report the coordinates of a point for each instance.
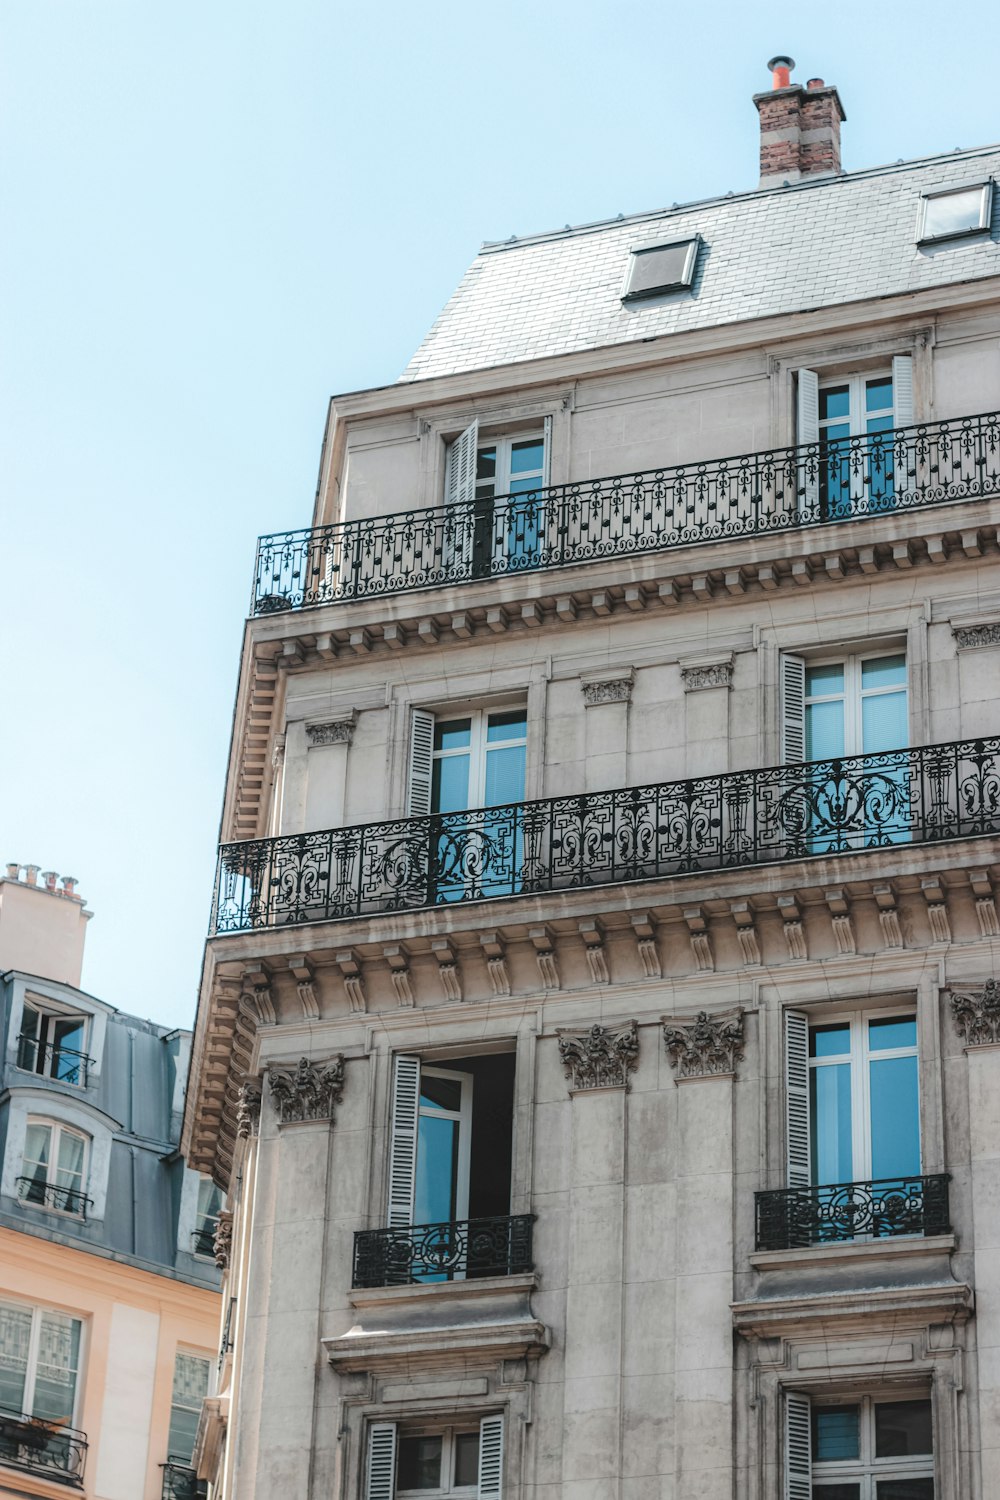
(479, 1344)
(841, 1311)
(433, 1292)
(848, 1253)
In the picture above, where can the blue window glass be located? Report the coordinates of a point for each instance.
(832, 1148)
(895, 1116)
(895, 1031)
(836, 1433)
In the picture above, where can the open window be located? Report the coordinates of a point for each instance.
(851, 464)
(494, 494)
(206, 1219)
(858, 1448)
(39, 1373)
(433, 1462)
(55, 1167)
(53, 1043)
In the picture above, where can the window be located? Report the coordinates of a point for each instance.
(852, 466)
(496, 522)
(855, 706)
(55, 1161)
(955, 211)
(436, 1461)
(862, 1449)
(189, 1391)
(39, 1371)
(658, 269)
(206, 1218)
(52, 1043)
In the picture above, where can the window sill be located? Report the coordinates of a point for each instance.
(847, 1253)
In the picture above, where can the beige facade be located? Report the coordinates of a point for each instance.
(703, 1313)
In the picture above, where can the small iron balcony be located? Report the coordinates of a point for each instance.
(793, 1218)
(924, 795)
(464, 1249)
(181, 1482)
(203, 1241)
(656, 510)
(64, 1064)
(50, 1195)
(42, 1447)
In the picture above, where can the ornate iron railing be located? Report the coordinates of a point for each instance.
(42, 1447)
(466, 1248)
(923, 795)
(51, 1195)
(752, 494)
(181, 1482)
(64, 1064)
(792, 1218)
(203, 1240)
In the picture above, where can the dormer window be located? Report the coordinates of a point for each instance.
(953, 212)
(55, 1168)
(52, 1043)
(659, 269)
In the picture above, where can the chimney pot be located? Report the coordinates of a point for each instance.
(50, 877)
(31, 874)
(69, 884)
(815, 83)
(13, 871)
(781, 68)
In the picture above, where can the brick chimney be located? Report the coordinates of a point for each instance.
(799, 128)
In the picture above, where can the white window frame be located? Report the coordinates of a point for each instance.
(58, 1129)
(463, 1117)
(38, 1313)
(50, 1011)
(854, 693)
(381, 1454)
(448, 1489)
(857, 414)
(985, 191)
(204, 1358)
(202, 1219)
(866, 1470)
(476, 750)
(859, 1057)
(504, 444)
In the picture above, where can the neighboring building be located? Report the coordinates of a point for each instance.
(598, 1038)
(109, 1301)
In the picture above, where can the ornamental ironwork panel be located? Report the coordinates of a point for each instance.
(753, 494)
(41, 1447)
(463, 1249)
(927, 794)
(52, 1060)
(792, 1218)
(181, 1482)
(51, 1195)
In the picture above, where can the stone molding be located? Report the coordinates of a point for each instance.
(222, 1240)
(708, 1046)
(969, 636)
(332, 731)
(248, 1108)
(977, 1014)
(601, 1058)
(307, 1092)
(696, 674)
(607, 687)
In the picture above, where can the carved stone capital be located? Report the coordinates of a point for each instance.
(697, 673)
(601, 1058)
(307, 1092)
(222, 1240)
(606, 687)
(339, 731)
(248, 1108)
(706, 1046)
(969, 636)
(977, 1014)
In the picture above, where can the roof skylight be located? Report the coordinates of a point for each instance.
(956, 211)
(657, 269)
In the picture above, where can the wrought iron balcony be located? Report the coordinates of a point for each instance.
(656, 510)
(181, 1482)
(50, 1195)
(464, 1249)
(203, 1240)
(924, 795)
(42, 1447)
(792, 1218)
(64, 1064)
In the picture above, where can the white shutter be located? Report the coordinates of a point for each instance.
(418, 787)
(381, 1479)
(403, 1140)
(798, 1447)
(490, 1458)
(797, 1142)
(902, 391)
(460, 467)
(793, 710)
(547, 453)
(807, 431)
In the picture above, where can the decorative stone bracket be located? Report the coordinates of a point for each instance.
(222, 1240)
(600, 1058)
(977, 1014)
(248, 1108)
(705, 1047)
(308, 1092)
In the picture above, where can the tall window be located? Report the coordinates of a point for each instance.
(478, 760)
(189, 1391)
(53, 1044)
(436, 1461)
(855, 706)
(206, 1218)
(55, 1163)
(496, 485)
(39, 1374)
(863, 1107)
(849, 463)
(862, 1449)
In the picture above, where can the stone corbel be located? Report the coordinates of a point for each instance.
(398, 958)
(305, 982)
(248, 1102)
(309, 1091)
(888, 915)
(597, 959)
(601, 1058)
(840, 915)
(746, 930)
(277, 752)
(701, 943)
(354, 980)
(986, 906)
(795, 937)
(257, 991)
(495, 954)
(709, 1046)
(607, 687)
(337, 730)
(645, 942)
(222, 1240)
(935, 894)
(977, 1014)
(448, 970)
(545, 957)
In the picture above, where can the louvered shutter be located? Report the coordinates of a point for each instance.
(798, 1447)
(793, 710)
(807, 432)
(460, 467)
(381, 1479)
(490, 1458)
(418, 787)
(797, 1142)
(902, 391)
(403, 1140)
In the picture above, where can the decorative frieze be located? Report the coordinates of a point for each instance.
(307, 1092)
(705, 1047)
(604, 687)
(601, 1058)
(977, 1014)
(222, 1240)
(339, 731)
(248, 1108)
(969, 636)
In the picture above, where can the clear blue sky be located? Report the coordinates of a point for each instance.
(217, 213)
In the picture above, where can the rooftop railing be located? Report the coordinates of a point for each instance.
(45, 1448)
(754, 494)
(923, 795)
(791, 1218)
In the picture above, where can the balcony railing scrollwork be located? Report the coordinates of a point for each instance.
(466, 1248)
(50, 1195)
(181, 1482)
(41, 1447)
(924, 795)
(793, 1218)
(64, 1064)
(682, 505)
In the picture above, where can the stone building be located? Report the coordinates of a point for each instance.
(109, 1291)
(598, 1039)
